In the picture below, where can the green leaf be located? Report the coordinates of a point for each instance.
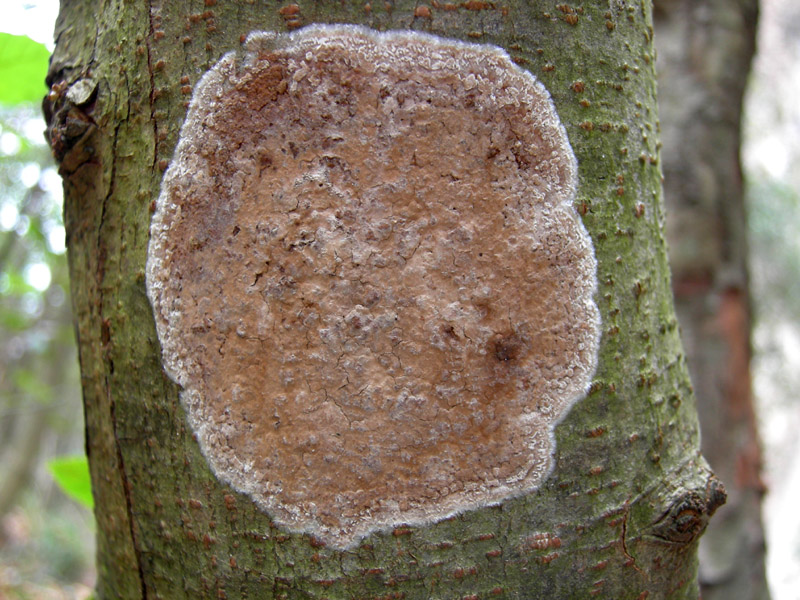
(14, 320)
(71, 473)
(30, 383)
(23, 67)
(16, 284)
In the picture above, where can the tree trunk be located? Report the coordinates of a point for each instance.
(705, 50)
(625, 495)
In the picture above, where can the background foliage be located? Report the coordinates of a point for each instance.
(45, 537)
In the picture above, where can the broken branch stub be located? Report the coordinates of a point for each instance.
(369, 278)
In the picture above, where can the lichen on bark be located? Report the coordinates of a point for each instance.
(370, 279)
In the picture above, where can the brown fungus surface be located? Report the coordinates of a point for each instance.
(369, 278)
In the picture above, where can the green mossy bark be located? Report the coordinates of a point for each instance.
(620, 515)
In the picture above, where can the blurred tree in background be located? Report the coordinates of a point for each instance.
(44, 537)
(705, 51)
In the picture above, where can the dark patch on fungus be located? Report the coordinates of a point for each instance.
(369, 278)
(508, 348)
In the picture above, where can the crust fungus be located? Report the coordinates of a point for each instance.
(369, 278)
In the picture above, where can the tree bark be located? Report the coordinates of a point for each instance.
(621, 513)
(705, 50)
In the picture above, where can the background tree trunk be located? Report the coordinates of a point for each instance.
(705, 49)
(629, 496)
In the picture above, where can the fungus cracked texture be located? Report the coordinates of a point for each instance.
(369, 278)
